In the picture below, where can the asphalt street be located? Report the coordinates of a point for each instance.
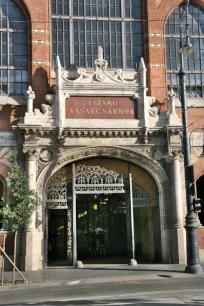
(163, 292)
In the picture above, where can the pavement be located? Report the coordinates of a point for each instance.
(93, 274)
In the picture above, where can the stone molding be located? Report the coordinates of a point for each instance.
(89, 133)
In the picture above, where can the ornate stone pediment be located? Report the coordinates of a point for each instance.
(100, 74)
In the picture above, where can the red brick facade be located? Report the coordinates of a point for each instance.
(41, 79)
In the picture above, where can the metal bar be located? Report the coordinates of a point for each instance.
(2, 268)
(74, 229)
(26, 281)
(132, 215)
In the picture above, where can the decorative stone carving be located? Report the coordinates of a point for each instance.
(158, 154)
(153, 107)
(47, 109)
(46, 155)
(99, 75)
(32, 153)
(171, 112)
(101, 66)
(30, 95)
(171, 102)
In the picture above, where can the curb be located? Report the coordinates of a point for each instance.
(89, 281)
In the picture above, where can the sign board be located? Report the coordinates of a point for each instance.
(100, 108)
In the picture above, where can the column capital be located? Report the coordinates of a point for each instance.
(177, 154)
(32, 154)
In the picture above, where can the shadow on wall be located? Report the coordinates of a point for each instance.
(9, 115)
(41, 86)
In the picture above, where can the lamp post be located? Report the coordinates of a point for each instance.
(193, 261)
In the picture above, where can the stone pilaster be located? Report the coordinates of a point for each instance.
(32, 240)
(178, 254)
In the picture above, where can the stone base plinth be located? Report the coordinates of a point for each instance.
(32, 257)
(178, 254)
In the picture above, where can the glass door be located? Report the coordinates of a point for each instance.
(57, 235)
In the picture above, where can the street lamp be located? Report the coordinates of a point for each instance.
(193, 261)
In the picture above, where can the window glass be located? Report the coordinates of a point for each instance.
(75, 40)
(194, 64)
(14, 48)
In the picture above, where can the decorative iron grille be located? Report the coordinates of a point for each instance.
(97, 180)
(57, 191)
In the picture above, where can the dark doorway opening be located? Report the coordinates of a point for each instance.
(200, 194)
(57, 236)
(101, 229)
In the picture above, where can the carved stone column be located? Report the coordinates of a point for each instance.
(32, 172)
(178, 232)
(32, 257)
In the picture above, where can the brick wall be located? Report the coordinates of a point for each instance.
(155, 16)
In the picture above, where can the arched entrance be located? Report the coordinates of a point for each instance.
(100, 222)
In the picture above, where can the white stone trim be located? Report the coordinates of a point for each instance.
(12, 100)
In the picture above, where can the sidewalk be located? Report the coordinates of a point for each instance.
(92, 274)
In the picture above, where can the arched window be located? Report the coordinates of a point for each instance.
(194, 64)
(14, 49)
(79, 26)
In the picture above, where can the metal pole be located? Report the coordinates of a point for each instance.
(4, 253)
(193, 261)
(74, 229)
(132, 217)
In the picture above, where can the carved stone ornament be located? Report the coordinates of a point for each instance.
(171, 98)
(99, 75)
(30, 93)
(46, 155)
(153, 107)
(154, 168)
(47, 109)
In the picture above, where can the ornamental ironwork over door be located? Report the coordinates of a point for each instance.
(97, 180)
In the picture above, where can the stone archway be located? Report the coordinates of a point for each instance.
(129, 155)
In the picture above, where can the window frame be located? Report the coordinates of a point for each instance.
(8, 68)
(123, 20)
(193, 90)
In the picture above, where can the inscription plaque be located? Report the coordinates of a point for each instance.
(100, 108)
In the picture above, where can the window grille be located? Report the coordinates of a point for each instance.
(79, 26)
(13, 49)
(194, 64)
